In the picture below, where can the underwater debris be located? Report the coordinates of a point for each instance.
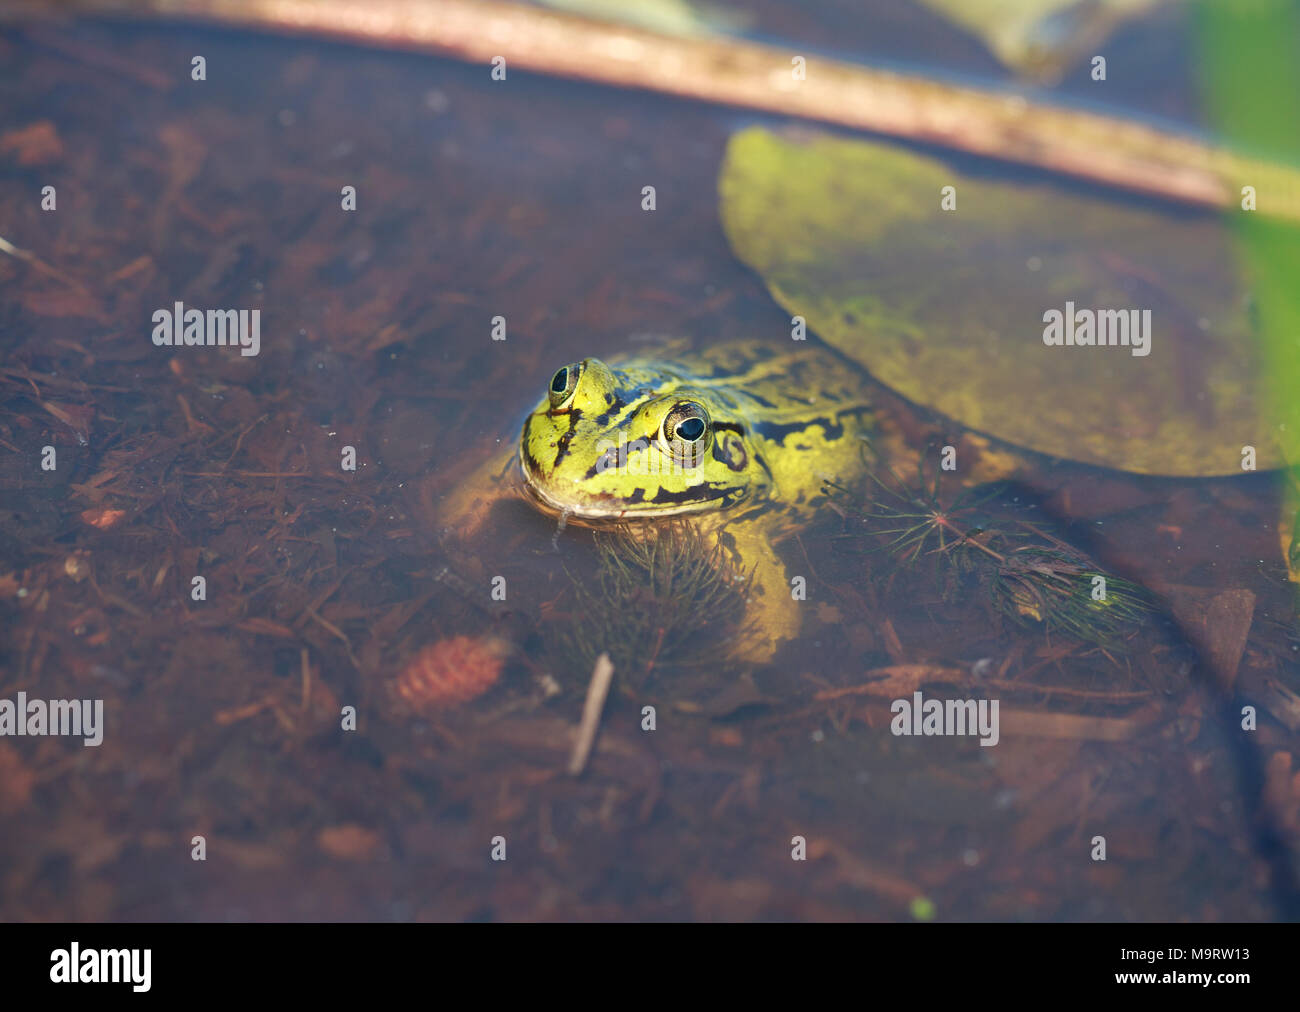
(597, 690)
(662, 596)
(16, 780)
(450, 672)
(1026, 575)
(348, 842)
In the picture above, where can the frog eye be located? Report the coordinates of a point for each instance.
(685, 432)
(563, 384)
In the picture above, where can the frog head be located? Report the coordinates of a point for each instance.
(640, 442)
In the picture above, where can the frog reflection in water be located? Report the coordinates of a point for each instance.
(738, 438)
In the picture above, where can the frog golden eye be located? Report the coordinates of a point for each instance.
(685, 432)
(563, 383)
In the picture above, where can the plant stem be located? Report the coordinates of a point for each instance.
(1000, 124)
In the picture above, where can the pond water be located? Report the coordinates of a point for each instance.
(322, 585)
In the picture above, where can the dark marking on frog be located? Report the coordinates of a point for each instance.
(616, 457)
(614, 405)
(730, 450)
(531, 464)
(704, 493)
(562, 445)
(778, 431)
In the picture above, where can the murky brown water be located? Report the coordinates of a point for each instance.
(521, 200)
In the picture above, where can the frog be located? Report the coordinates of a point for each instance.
(744, 439)
(738, 439)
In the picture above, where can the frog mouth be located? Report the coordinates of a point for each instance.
(705, 497)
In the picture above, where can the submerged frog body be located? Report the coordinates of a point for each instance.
(739, 438)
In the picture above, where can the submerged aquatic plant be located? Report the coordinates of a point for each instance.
(1056, 586)
(916, 521)
(1026, 575)
(662, 595)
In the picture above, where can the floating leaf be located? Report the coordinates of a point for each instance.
(670, 17)
(948, 307)
(1288, 525)
(1040, 37)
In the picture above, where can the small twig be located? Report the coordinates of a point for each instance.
(22, 254)
(591, 710)
(347, 644)
(654, 654)
(113, 599)
(1065, 726)
(102, 58)
(238, 713)
(1063, 690)
(248, 474)
(28, 256)
(306, 680)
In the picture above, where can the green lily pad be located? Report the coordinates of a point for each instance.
(950, 307)
(669, 17)
(1040, 37)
